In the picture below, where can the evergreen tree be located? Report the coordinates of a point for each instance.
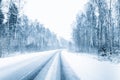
(1, 14)
(12, 20)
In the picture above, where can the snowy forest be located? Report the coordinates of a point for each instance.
(98, 28)
(59, 39)
(19, 34)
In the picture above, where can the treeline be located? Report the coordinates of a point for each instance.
(98, 28)
(19, 34)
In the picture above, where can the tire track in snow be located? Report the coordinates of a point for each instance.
(45, 70)
(34, 73)
(66, 71)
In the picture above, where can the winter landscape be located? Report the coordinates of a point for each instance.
(59, 40)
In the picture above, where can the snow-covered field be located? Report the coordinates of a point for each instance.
(88, 67)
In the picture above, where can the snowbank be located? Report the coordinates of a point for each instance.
(87, 67)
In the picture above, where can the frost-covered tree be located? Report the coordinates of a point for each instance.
(1, 28)
(19, 34)
(12, 19)
(91, 25)
(98, 29)
(85, 31)
(78, 32)
(117, 9)
(1, 17)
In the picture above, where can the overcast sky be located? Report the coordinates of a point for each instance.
(57, 15)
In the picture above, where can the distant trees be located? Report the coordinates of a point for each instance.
(78, 32)
(84, 33)
(98, 27)
(19, 34)
(39, 38)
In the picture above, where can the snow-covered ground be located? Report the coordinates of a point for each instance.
(57, 65)
(87, 67)
(51, 71)
(18, 67)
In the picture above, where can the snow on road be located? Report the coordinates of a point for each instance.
(54, 70)
(87, 67)
(57, 65)
(16, 68)
(51, 71)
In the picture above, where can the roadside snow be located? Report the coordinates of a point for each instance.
(12, 67)
(21, 57)
(87, 67)
(54, 70)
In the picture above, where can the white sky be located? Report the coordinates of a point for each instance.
(57, 15)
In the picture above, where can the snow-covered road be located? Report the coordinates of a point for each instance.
(47, 65)
(57, 65)
(22, 66)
